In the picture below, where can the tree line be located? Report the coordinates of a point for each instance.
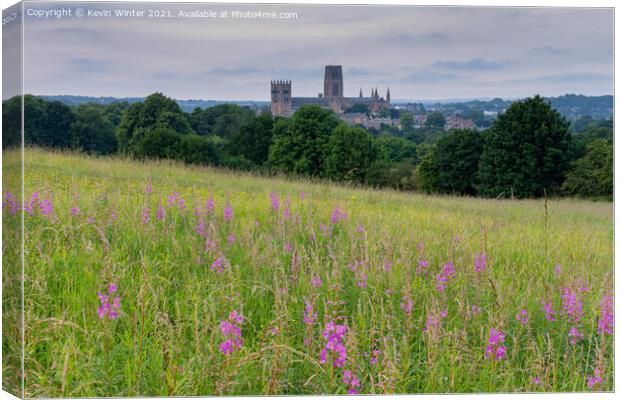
(528, 151)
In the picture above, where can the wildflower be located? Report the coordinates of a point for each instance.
(572, 306)
(106, 307)
(595, 379)
(334, 334)
(146, 217)
(446, 274)
(11, 203)
(149, 188)
(387, 266)
(337, 215)
(316, 281)
(549, 313)
(228, 212)
(574, 335)
(309, 314)
(536, 380)
(475, 309)
(288, 247)
(374, 359)
(218, 265)
(113, 215)
(327, 232)
(231, 330)
(46, 207)
(557, 270)
(210, 205)
(302, 196)
(75, 210)
(275, 201)
(480, 261)
(422, 266)
(351, 380)
(201, 228)
(406, 305)
(361, 280)
(161, 212)
(286, 213)
(606, 322)
(30, 207)
(523, 317)
(90, 219)
(231, 239)
(172, 199)
(432, 324)
(359, 229)
(496, 349)
(181, 204)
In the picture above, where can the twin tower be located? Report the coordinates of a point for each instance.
(284, 104)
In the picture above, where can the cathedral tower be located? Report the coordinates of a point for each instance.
(333, 83)
(281, 104)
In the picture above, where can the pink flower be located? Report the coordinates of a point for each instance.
(574, 335)
(495, 349)
(146, 217)
(549, 313)
(337, 215)
(309, 314)
(572, 306)
(231, 330)
(106, 307)
(595, 379)
(407, 305)
(523, 317)
(334, 334)
(275, 201)
(606, 322)
(218, 265)
(161, 212)
(231, 239)
(75, 210)
(316, 281)
(149, 188)
(480, 261)
(228, 213)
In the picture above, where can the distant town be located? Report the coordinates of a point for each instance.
(377, 110)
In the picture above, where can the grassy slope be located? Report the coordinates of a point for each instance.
(166, 340)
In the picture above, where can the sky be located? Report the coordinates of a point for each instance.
(420, 53)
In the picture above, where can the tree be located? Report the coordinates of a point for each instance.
(158, 143)
(157, 111)
(397, 149)
(452, 163)
(224, 120)
(92, 131)
(357, 108)
(12, 122)
(407, 121)
(526, 151)
(46, 123)
(195, 149)
(300, 143)
(350, 153)
(253, 139)
(592, 174)
(435, 120)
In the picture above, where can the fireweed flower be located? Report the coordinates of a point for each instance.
(288, 247)
(359, 229)
(149, 188)
(31, 206)
(387, 266)
(445, 276)
(572, 306)
(316, 281)
(218, 265)
(210, 205)
(337, 215)
(595, 379)
(351, 380)
(334, 335)
(374, 358)
(146, 216)
(309, 315)
(275, 201)
(606, 322)
(548, 309)
(46, 207)
(201, 228)
(361, 279)
(10, 202)
(406, 305)
(286, 213)
(557, 270)
(495, 349)
(108, 307)
(75, 210)
(574, 335)
(161, 212)
(302, 196)
(228, 213)
(480, 262)
(536, 380)
(326, 231)
(231, 330)
(523, 317)
(422, 267)
(172, 199)
(231, 239)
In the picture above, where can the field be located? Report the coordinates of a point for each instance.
(159, 279)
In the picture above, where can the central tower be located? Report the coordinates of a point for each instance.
(333, 87)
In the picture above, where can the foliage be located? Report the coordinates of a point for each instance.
(349, 155)
(526, 152)
(224, 120)
(435, 120)
(451, 165)
(92, 131)
(253, 139)
(592, 174)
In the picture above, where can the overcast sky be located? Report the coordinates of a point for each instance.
(419, 52)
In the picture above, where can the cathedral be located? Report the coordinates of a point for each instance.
(284, 104)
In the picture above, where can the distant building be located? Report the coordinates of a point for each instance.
(284, 104)
(456, 122)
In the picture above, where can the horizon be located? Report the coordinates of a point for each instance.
(426, 53)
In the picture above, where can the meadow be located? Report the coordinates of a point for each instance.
(160, 279)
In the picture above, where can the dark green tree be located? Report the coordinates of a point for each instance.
(223, 120)
(350, 154)
(435, 120)
(158, 143)
(526, 151)
(253, 139)
(592, 174)
(452, 163)
(300, 143)
(12, 122)
(92, 131)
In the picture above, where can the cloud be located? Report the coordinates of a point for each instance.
(582, 77)
(475, 64)
(354, 71)
(87, 65)
(432, 76)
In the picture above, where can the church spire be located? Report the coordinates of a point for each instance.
(361, 95)
(387, 96)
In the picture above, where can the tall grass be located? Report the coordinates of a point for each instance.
(166, 340)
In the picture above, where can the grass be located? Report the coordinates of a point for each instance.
(167, 337)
